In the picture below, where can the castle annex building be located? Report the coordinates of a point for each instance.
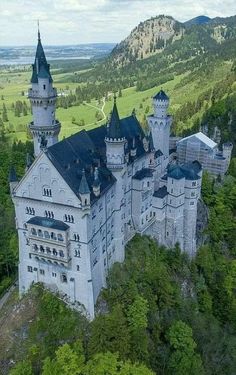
(83, 198)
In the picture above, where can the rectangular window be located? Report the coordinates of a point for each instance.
(30, 269)
(42, 272)
(54, 274)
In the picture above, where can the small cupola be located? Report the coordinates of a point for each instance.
(96, 183)
(28, 162)
(114, 132)
(146, 144)
(84, 191)
(161, 104)
(13, 180)
(133, 150)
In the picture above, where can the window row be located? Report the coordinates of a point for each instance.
(47, 235)
(76, 237)
(30, 210)
(69, 218)
(47, 250)
(47, 192)
(63, 276)
(49, 214)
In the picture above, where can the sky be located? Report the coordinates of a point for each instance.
(93, 21)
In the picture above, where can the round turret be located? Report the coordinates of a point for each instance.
(160, 104)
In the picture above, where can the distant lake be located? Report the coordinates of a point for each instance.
(21, 60)
(25, 55)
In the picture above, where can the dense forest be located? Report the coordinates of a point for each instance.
(9, 155)
(162, 313)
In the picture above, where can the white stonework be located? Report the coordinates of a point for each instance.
(75, 213)
(200, 147)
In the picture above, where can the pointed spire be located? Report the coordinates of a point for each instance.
(39, 38)
(133, 143)
(114, 129)
(28, 161)
(12, 175)
(96, 181)
(41, 69)
(83, 187)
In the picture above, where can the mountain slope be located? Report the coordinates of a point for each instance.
(200, 20)
(163, 34)
(148, 38)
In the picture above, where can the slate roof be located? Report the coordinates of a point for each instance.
(87, 150)
(188, 171)
(161, 95)
(175, 172)
(161, 192)
(41, 69)
(114, 127)
(143, 173)
(48, 223)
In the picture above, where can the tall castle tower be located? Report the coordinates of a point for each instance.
(44, 127)
(115, 142)
(159, 124)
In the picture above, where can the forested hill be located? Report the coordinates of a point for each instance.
(157, 34)
(148, 38)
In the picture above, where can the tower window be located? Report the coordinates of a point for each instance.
(63, 278)
(44, 87)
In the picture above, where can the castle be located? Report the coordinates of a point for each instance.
(83, 198)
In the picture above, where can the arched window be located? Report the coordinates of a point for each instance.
(42, 249)
(46, 234)
(33, 231)
(48, 250)
(53, 236)
(40, 233)
(59, 237)
(61, 253)
(63, 278)
(54, 252)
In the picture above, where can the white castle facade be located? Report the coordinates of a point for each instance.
(83, 198)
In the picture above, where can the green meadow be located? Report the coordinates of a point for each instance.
(13, 84)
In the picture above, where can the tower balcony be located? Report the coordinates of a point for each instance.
(55, 127)
(37, 94)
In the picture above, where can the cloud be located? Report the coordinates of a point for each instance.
(83, 21)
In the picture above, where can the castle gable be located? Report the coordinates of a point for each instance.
(43, 182)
